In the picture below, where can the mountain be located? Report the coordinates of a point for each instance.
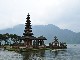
(48, 31)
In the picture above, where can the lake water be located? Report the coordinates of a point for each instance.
(71, 53)
(7, 55)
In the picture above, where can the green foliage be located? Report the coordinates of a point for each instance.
(5, 37)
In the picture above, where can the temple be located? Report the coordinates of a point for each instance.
(32, 42)
(29, 40)
(28, 33)
(57, 45)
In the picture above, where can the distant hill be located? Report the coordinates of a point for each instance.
(49, 31)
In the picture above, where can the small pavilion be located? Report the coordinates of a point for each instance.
(39, 41)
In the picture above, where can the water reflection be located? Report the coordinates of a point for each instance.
(54, 53)
(33, 54)
(42, 54)
(66, 54)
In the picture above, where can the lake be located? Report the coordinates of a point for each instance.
(71, 53)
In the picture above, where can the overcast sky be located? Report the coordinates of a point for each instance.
(62, 13)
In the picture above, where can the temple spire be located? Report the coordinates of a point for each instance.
(28, 29)
(28, 15)
(55, 38)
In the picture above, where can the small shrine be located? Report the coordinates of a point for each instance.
(57, 45)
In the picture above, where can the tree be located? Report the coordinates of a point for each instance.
(0, 39)
(19, 39)
(5, 37)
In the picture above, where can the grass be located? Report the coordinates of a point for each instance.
(25, 49)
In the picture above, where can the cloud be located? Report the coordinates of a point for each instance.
(63, 13)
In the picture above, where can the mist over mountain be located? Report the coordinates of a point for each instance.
(48, 31)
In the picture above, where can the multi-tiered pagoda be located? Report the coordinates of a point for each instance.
(28, 36)
(28, 33)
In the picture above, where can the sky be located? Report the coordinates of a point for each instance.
(63, 13)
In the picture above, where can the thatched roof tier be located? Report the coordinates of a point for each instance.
(28, 37)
